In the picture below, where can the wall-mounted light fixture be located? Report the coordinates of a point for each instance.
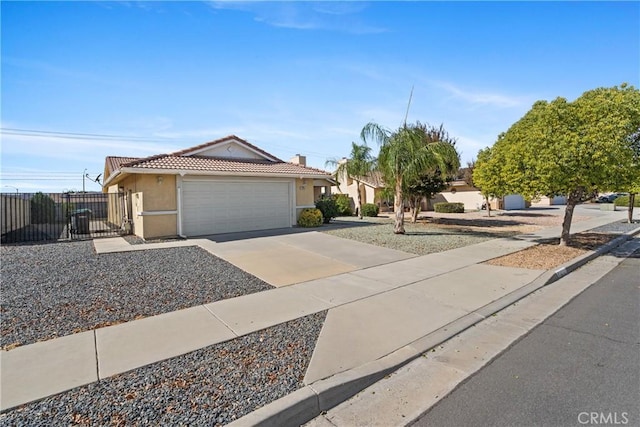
(159, 179)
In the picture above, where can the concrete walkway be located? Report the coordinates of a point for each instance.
(380, 301)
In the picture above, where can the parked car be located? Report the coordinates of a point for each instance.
(607, 199)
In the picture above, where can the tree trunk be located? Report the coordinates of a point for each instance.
(566, 222)
(415, 208)
(359, 207)
(632, 201)
(488, 207)
(398, 206)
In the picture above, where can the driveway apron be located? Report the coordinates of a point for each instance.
(288, 259)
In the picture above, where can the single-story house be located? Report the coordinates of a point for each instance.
(371, 187)
(459, 191)
(222, 186)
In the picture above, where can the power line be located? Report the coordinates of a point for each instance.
(77, 135)
(107, 137)
(41, 179)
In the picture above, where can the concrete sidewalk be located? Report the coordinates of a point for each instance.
(408, 393)
(384, 307)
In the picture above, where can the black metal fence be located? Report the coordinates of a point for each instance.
(31, 217)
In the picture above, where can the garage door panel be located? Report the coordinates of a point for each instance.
(211, 207)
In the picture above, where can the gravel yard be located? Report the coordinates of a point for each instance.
(210, 386)
(421, 238)
(51, 290)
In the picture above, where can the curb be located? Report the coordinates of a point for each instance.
(304, 404)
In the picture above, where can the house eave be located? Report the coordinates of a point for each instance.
(183, 172)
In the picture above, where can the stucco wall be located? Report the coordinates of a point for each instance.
(151, 194)
(159, 191)
(159, 226)
(546, 201)
(304, 192)
(137, 220)
(472, 199)
(115, 210)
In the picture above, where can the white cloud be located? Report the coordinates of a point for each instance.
(328, 16)
(481, 98)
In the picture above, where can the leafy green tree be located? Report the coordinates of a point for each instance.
(633, 178)
(435, 180)
(406, 155)
(359, 165)
(43, 209)
(565, 148)
(426, 186)
(487, 175)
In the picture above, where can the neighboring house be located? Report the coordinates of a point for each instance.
(459, 191)
(370, 187)
(550, 201)
(223, 186)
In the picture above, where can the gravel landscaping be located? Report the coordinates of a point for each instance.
(51, 290)
(210, 386)
(420, 238)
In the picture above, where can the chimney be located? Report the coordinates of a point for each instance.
(299, 160)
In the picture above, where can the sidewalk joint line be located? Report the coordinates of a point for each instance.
(95, 349)
(221, 321)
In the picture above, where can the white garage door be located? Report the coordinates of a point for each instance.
(211, 207)
(514, 201)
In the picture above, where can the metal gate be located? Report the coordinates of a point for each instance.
(32, 217)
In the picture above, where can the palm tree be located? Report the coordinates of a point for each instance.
(359, 165)
(405, 155)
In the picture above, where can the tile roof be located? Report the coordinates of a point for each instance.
(374, 179)
(185, 161)
(216, 164)
(114, 163)
(186, 151)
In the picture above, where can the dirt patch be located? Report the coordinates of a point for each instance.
(550, 254)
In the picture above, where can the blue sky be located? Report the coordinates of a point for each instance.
(140, 78)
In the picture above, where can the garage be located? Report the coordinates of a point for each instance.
(223, 206)
(222, 186)
(513, 202)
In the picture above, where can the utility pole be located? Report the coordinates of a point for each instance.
(11, 186)
(84, 174)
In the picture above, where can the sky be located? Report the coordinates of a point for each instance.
(84, 80)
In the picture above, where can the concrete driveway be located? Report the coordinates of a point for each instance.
(282, 260)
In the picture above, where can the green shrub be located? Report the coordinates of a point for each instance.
(43, 209)
(310, 218)
(624, 201)
(369, 209)
(328, 207)
(444, 207)
(344, 204)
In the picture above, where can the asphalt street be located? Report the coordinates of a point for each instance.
(579, 367)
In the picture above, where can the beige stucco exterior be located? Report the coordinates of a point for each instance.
(153, 204)
(349, 186)
(460, 192)
(161, 192)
